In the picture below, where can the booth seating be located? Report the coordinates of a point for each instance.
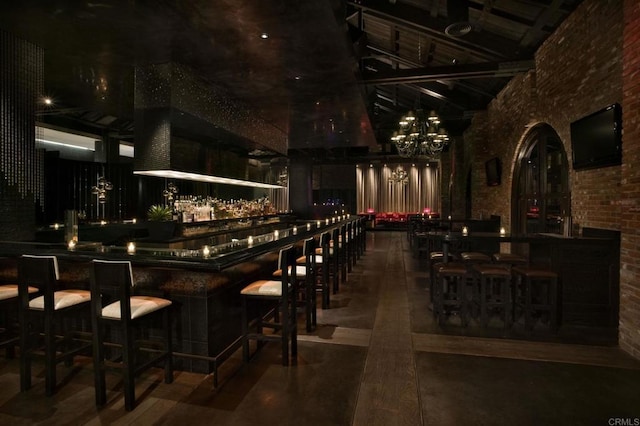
(45, 315)
(449, 292)
(306, 276)
(113, 304)
(279, 296)
(537, 294)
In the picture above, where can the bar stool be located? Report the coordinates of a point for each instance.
(45, 313)
(435, 258)
(8, 304)
(322, 272)
(306, 274)
(342, 253)
(450, 291)
(509, 260)
(537, 292)
(494, 283)
(113, 304)
(280, 293)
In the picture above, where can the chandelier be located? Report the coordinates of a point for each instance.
(399, 176)
(170, 191)
(101, 189)
(420, 135)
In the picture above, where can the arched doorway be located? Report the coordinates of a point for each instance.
(542, 200)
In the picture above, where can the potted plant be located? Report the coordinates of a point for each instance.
(160, 225)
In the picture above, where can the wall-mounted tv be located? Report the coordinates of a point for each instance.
(596, 140)
(493, 171)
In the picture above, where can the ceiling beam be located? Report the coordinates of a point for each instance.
(449, 72)
(490, 46)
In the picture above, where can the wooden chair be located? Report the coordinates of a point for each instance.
(114, 305)
(41, 318)
(279, 296)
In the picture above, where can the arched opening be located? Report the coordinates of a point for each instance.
(541, 197)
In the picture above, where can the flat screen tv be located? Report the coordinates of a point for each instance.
(596, 140)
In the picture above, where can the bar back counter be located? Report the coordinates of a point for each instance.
(204, 284)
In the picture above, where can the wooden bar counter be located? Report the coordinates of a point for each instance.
(204, 288)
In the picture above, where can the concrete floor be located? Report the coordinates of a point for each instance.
(376, 358)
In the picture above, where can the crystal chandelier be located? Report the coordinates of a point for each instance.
(420, 135)
(399, 176)
(170, 191)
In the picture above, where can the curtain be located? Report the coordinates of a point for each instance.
(377, 192)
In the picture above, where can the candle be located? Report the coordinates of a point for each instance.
(205, 251)
(71, 245)
(131, 248)
(465, 230)
(318, 224)
(308, 227)
(326, 222)
(250, 241)
(276, 234)
(295, 230)
(502, 232)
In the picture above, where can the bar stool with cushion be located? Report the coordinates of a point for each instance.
(435, 258)
(43, 317)
(450, 291)
(494, 284)
(279, 295)
(509, 260)
(305, 275)
(114, 304)
(322, 269)
(8, 306)
(537, 294)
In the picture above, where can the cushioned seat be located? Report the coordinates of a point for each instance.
(8, 320)
(537, 294)
(278, 296)
(494, 292)
(45, 315)
(449, 291)
(114, 305)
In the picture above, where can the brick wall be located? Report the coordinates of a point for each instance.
(591, 61)
(629, 329)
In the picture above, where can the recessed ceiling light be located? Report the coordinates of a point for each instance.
(264, 36)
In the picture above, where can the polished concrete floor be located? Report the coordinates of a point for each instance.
(377, 358)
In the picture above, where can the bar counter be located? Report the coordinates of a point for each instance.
(204, 289)
(588, 266)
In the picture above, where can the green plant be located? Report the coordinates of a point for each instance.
(159, 213)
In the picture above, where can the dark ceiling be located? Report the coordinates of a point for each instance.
(333, 75)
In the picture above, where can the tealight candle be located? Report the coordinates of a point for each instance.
(276, 234)
(205, 251)
(308, 227)
(71, 245)
(131, 248)
(250, 241)
(502, 232)
(56, 226)
(295, 230)
(133, 220)
(465, 230)
(318, 224)
(326, 222)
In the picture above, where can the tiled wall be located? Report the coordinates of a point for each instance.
(21, 168)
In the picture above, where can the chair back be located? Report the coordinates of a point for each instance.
(111, 281)
(39, 272)
(308, 250)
